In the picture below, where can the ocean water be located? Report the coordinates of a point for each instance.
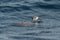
(15, 11)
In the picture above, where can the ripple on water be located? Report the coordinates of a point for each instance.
(27, 37)
(6, 9)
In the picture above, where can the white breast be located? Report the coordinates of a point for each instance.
(35, 18)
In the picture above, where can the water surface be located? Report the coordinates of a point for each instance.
(14, 11)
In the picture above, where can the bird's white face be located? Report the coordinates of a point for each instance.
(35, 18)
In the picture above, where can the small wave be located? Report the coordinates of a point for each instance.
(45, 6)
(13, 9)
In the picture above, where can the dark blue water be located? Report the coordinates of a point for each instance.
(15, 11)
